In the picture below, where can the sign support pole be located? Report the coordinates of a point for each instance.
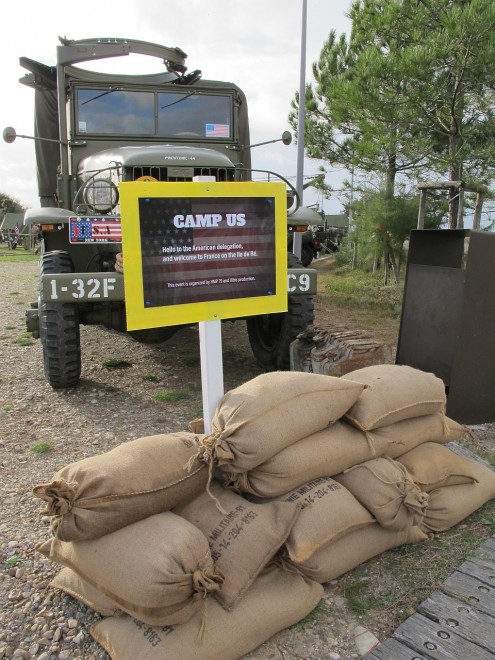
(210, 344)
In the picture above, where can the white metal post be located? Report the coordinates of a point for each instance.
(210, 343)
(297, 239)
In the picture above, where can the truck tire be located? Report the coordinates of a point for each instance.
(307, 255)
(270, 335)
(59, 329)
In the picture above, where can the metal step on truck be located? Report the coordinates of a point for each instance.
(94, 131)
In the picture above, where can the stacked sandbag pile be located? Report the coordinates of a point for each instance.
(147, 534)
(205, 546)
(358, 499)
(112, 524)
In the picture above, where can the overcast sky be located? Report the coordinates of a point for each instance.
(255, 44)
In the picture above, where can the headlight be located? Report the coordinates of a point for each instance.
(101, 195)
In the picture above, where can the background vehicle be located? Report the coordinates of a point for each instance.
(95, 130)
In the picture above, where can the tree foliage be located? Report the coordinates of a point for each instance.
(381, 225)
(10, 205)
(410, 92)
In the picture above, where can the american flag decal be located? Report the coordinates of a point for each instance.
(217, 130)
(95, 230)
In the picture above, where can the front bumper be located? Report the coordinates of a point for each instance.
(109, 286)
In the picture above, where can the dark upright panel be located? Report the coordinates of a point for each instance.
(448, 317)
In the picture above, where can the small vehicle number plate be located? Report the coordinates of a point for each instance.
(301, 281)
(79, 287)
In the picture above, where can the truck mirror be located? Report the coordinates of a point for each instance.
(9, 134)
(286, 137)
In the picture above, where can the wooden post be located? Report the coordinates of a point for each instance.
(477, 210)
(460, 209)
(422, 207)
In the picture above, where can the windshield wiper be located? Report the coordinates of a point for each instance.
(98, 96)
(179, 100)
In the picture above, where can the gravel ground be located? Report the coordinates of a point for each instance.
(109, 407)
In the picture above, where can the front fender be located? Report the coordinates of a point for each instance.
(47, 216)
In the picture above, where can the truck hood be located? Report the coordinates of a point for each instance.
(156, 155)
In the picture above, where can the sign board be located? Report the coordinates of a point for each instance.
(202, 251)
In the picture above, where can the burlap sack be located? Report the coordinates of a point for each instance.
(448, 505)
(243, 539)
(276, 600)
(387, 490)
(353, 549)
(69, 582)
(258, 419)
(394, 392)
(158, 569)
(337, 448)
(432, 466)
(137, 479)
(329, 511)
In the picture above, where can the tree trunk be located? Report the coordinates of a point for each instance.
(455, 173)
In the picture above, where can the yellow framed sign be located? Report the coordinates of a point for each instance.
(202, 251)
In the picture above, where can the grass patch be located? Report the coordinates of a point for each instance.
(388, 589)
(42, 447)
(356, 288)
(314, 616)
(116, 363)
(150, 377)
(358, 597)
(19, 254)
(171, 396)
(24, 340)
(12, 561)
(7, 408)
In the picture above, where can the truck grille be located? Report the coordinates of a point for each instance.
(174, 174)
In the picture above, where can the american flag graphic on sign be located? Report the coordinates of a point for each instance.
(217, 130)
(95, 230)
(193, 264)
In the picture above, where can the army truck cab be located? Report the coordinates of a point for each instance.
(95, 130)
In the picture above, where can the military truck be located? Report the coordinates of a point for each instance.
(94, 130)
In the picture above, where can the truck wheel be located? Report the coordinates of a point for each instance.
(307, 255)
(59, 329)
(270, 335)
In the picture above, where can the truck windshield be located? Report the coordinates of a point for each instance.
(114, 111)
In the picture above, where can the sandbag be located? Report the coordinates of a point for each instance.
(329, 511)
(256, 420)
(393, 393)
(277, 600)
(387, 490)
(448, 505)
(243, 539)
(137, 479)
(69, 582)
(353, 549)
(158, 570)
(337, 448)
(432, 466)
